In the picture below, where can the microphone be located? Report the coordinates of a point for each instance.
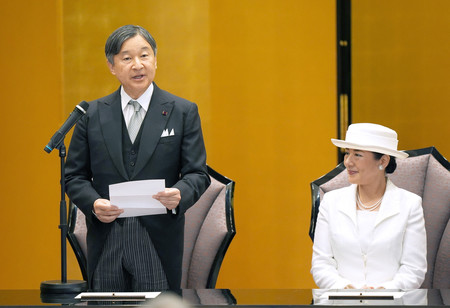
(73, 118)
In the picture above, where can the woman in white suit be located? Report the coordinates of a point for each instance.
(370, 234)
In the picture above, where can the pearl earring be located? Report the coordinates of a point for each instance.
(380, 167)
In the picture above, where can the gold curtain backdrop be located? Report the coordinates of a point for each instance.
(264, 76)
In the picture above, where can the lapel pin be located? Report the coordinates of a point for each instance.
(164, 113)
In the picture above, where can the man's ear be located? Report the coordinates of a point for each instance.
(111, 67)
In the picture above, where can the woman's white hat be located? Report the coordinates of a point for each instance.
(371, 137)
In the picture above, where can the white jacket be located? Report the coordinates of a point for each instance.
(396, 257)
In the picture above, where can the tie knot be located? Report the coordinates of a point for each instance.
(135, 105)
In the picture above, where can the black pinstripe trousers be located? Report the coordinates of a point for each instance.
(129, 261)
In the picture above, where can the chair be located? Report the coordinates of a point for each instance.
(209, 230)
(426, 173)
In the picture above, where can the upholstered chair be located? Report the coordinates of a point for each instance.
(209, 230)
(426, 173)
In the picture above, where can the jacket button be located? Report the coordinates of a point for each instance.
(132, 164)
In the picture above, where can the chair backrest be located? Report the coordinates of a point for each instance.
(209, 230)
(208, 297)
(426, 173)
(76, 235)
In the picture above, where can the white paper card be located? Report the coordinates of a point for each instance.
(135, 197)
(373, 293)
(116, 295)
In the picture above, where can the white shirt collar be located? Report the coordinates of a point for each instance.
(143, 100)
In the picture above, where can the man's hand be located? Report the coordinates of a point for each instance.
(170, 197)
(106, 212)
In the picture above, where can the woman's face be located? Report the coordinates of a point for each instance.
(362, 167)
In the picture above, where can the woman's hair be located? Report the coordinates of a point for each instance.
(390, 168)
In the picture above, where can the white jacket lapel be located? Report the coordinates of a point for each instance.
(390, 205)
(348, 204)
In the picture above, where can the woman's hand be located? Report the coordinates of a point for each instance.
(371, 288)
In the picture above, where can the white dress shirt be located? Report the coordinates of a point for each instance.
(143, 100)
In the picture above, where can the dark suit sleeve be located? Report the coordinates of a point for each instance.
(78, 177)
(194, 175)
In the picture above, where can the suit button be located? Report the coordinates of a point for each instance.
(133, 152)
(132, 164)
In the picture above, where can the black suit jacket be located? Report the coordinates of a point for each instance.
(95, 160)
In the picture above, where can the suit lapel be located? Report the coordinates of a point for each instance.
(154, 123)
(110, 113)
(390, 205)
(348, 204)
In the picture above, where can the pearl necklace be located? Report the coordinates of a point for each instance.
(367, 207)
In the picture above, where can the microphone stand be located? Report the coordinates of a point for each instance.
(63, 286)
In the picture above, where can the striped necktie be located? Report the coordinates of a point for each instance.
(135, 120)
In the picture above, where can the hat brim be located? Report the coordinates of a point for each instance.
(348, 145)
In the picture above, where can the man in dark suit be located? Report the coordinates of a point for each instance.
(136, 253)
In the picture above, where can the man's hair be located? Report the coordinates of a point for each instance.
(117, 38)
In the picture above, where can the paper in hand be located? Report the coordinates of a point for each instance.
(135, 197)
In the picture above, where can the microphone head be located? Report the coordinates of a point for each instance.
(83, 106)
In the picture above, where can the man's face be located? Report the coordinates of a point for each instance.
(134, 66)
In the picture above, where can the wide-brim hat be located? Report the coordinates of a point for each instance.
(371, 137)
